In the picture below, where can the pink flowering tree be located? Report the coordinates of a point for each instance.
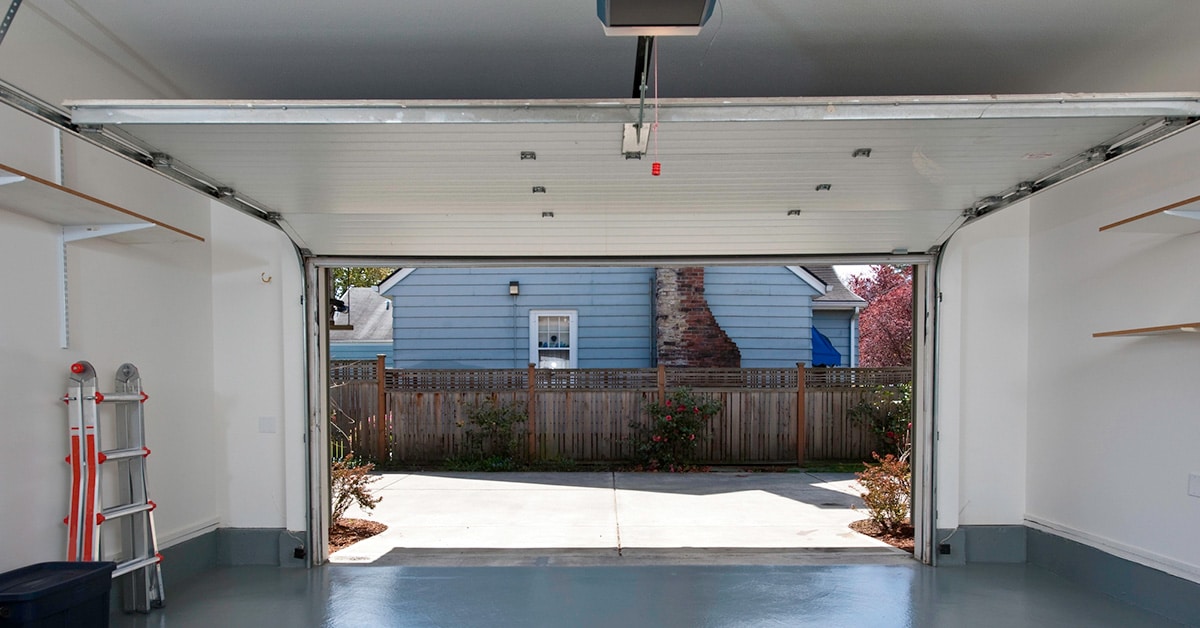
(668, 440)
(886, 324)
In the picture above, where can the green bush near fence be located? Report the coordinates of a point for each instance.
(491, 438)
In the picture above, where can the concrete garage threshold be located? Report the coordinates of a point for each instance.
(577, 519)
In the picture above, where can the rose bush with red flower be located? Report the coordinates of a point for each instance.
(668, 439)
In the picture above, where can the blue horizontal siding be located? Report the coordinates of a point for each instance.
(360, 351)
(765, 310)
(835, 324)
(465, 317)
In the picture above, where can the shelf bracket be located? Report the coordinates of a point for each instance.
(76, 234)
(1194, 214)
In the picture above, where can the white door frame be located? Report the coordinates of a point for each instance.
(316, 291)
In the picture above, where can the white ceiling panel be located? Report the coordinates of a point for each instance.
(448, 178)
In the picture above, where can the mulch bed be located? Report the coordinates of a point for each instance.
(346, 532)
(903, 539)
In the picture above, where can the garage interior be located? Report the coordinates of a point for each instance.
(241, 149)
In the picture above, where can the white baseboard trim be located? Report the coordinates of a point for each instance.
(1116, 548)
(187, 534)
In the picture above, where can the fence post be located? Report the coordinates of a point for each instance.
(801, 437)
(531, 409)
(381, 404)
(662, 384)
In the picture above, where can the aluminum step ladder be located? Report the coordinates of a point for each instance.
(139, 567)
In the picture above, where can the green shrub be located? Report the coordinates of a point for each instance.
(887, 491)
(888, 413)
(668, 440)
(492, 436)
(350, 484)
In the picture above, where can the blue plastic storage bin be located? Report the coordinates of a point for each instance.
(54, 595)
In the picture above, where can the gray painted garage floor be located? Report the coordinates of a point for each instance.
(629, 550)
(850, 596)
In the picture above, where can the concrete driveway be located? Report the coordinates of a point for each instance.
(615, 518)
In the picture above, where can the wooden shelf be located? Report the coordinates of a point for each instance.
(1181, 328)
(35, 197)
(1166, 219)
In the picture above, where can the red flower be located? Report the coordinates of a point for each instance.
(657, 438)
(696, 409)
(691, 437)
(668, 417)
(910, 425)
(891, 435)
(668, 403)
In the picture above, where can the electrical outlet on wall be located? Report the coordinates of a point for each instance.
(1194, 484)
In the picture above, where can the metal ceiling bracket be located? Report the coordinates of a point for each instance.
(1141, 135)
(633, 143)
(8, 18)
(116, 141)
(645, 50)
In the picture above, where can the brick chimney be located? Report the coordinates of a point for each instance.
(688, 333)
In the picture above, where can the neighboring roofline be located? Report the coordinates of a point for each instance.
(394, 279)
(838, 305)
(820, 286)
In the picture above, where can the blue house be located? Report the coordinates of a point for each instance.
(364, 330)
(614, 317)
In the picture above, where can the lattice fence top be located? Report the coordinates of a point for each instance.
(616, 379)
(840, 377)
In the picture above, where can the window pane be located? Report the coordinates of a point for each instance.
(553, 359)
(554, 331)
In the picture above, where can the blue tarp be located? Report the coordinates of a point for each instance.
(823, 353)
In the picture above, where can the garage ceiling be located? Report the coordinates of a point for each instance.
(764, 107)
(773, 178)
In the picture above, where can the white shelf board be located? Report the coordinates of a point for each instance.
(1169, 219)
(31, 196)
(1179, 328)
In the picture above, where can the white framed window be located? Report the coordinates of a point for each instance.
(553, 336)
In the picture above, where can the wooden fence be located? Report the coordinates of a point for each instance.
(585, 414)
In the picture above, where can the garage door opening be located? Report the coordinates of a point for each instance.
(443, 507)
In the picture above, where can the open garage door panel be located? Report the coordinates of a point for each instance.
(550, 179)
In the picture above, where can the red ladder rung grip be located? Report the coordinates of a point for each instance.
(158, 556)
(101, 458)
(152, 505)
(100, 518)
(144, 396)
(99, 397)
(77, 368)
(145, 451)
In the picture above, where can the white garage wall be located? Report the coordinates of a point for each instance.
(118, 313)
(1112, 422)
(258, 344)
(982, 360)
(221, 351)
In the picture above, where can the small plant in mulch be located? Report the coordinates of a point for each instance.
(351, 484)
(668, 440)
(887, 495)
